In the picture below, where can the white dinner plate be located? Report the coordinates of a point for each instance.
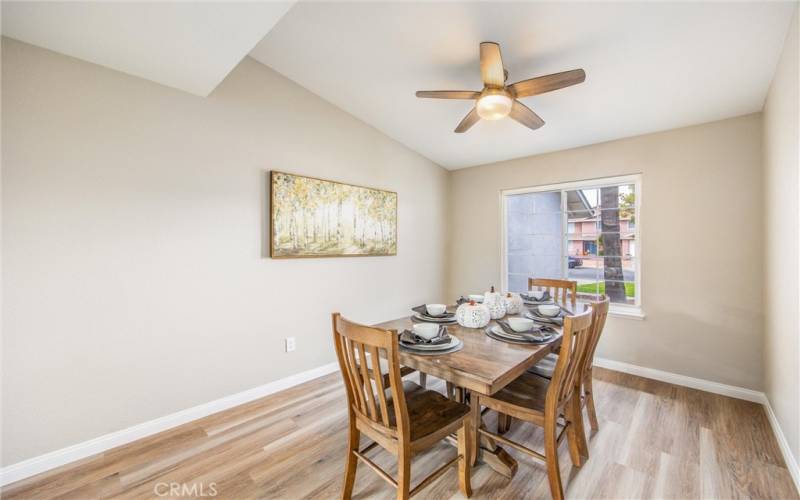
(536, 303)
(431, 319)
(437, 347)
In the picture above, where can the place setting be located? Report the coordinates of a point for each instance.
(536, 297)
(466, 299)
(434, 313)
(518, 330)
(429, 339)
(553, 314)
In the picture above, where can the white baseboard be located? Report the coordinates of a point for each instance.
(686, 381)
(788, 457)
(57, 458)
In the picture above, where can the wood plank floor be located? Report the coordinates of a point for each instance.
(656, 440)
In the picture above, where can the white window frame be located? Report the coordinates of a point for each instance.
(624, 310)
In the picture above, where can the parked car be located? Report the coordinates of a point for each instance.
(574, 262)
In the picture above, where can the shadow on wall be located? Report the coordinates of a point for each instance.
(265, 214)
(667, 347)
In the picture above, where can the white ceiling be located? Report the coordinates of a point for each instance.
(649, 66)
(190, 46)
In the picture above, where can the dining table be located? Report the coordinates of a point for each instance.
(483, 365)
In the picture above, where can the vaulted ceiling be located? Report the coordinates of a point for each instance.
(650, 65)
(190, 46)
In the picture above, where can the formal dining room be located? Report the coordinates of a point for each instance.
(307, 249)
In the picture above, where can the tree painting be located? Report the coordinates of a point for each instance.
(317, 218)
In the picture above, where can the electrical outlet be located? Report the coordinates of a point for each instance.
(290, 345)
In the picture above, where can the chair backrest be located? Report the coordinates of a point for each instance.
(359, 349)
(558, 289)
(599, 315)
(575, 339)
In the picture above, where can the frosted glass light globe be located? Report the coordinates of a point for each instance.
(494, 106)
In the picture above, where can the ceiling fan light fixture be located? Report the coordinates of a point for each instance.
(494, 106)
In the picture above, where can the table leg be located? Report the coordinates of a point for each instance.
(485, 449)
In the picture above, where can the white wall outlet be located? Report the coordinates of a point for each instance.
(290, 345)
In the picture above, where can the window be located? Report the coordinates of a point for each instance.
(582, 231)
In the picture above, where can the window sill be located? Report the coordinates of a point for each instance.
(627, 312)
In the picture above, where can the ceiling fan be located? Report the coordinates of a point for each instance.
(498, 100)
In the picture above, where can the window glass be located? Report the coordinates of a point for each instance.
(587, 235)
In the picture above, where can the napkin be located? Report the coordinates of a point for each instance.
(424, 311)
(535, 334)
(530, 298)
(507, 328)
(411, 338)
(556, 320)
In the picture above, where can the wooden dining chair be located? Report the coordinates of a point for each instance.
(401, 417)
(546, 366)
(542, 402)
(558, 289)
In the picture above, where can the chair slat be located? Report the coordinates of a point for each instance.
(369, 393)
(376, 370)
(558, 289)
(358, 385)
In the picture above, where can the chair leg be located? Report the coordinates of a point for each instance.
(423, 379)
(403, 473)
(351, 463)
(575, 435)
(581, 431)
(589, 393)
(503, 423)
(464, 461)
(551, 458)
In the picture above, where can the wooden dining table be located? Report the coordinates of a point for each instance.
(484, 365)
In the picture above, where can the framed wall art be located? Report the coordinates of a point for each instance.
(312, 217)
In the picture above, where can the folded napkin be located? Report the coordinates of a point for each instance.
(424, 311)
(556, 320)
(410, 338)
(531, 298)
(538, 333)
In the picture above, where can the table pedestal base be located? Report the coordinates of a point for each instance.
(499, 460)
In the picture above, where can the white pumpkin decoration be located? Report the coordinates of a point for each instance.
(513, 303)
(494, 301)
(473, 315)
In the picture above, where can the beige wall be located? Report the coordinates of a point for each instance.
(701, 247)
(135, 284)
(781, 289)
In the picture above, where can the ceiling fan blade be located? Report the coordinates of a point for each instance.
(542, 84)
(471, 119)
(448, 94)
(492, 71)
(525, 115)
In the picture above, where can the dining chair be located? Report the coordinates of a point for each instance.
(558, 289)
(542, 402)
(546, 366)
(401, 417)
